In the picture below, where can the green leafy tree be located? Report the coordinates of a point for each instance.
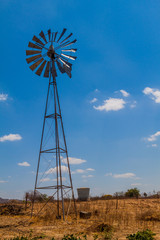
(133, 192)
(145, 194)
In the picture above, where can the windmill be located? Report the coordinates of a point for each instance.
(46, 54)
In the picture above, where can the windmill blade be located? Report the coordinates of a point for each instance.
(34, 65)
(69, 50)
(54, 73)
(67, 37)
(68, 64)
(52, 37)
(40, 69)
(37, 40)
(32, 52)
(63, 32)
(64, 62)
(70, 57)
(31, 59)
(43, 36)
(70, 43)
(55, 36)
(32, 45)
(60, 46)
(46, 73)
(49, 34)
(67, 70)
(60, 67)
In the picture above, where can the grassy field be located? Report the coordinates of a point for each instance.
(121, 217)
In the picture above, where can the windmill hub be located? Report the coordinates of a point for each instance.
(51, 52)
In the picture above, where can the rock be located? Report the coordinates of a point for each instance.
(85, 215)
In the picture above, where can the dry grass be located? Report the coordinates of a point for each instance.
(125, 217)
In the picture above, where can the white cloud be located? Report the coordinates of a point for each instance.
(133, 105)
(108, 174)
(24, 164)
(80, 170)
(112, 104)
(54, 170)
(55, 179)
(87, 176)
(93, 100)
(2, 181)
(124, 175)
(154, 145)
(124, 93)
(3, 97)
(10, 137)
(153, 93)
(45, 180)
(63, 179)
(90, 169)
(74, 161)
(153, 137)
(83, 170)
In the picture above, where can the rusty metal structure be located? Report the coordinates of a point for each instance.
(48, 53)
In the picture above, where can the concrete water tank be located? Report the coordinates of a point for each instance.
(83, 194)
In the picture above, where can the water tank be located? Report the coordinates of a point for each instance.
(83, 194)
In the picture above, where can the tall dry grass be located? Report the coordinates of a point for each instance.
(125, 215)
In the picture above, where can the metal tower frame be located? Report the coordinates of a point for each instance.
(55, 115)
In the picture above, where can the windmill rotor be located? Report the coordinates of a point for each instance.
(51, 47)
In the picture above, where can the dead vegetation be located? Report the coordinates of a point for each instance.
(11, 209)
(121, 217)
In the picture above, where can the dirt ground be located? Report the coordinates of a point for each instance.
(124, 216)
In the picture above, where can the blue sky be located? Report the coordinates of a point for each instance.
(110, 106)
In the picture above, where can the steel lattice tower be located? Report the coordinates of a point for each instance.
(53, 169)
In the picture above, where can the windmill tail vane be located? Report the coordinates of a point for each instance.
(48, 53)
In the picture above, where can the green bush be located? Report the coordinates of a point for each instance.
(70, 237)
(143, 235)
(133, 192)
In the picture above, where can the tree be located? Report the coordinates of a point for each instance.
(38, 197)
(133, 192)
(145, 194)
(119, 194)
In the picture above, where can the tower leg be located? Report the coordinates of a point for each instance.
(69, 170)
(58, 157)
(34, 195)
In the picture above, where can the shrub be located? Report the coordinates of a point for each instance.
(119, 194)
(106, 196)
(143, 235)
(133, 192)
(38, 197)
(70, 237)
